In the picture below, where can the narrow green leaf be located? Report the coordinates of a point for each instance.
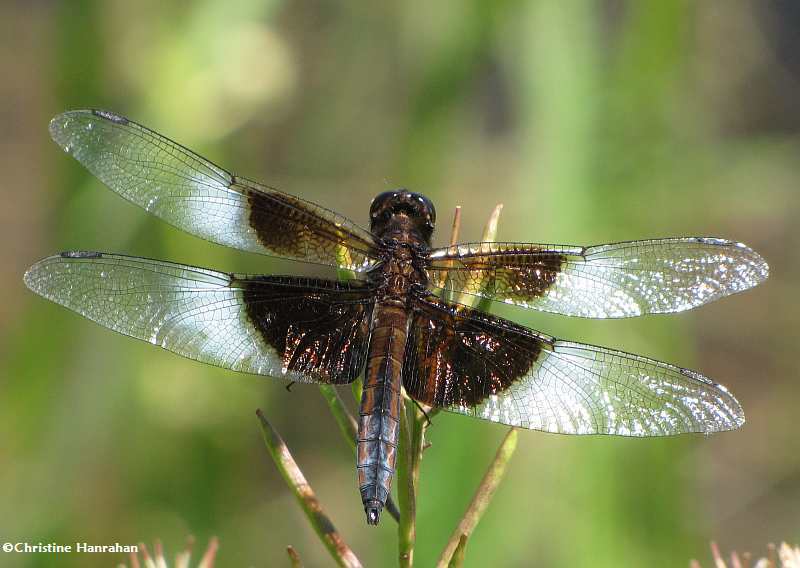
(347, 424)
(305, 496)
(483, 496)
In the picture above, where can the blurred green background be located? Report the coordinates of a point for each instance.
(592, 121)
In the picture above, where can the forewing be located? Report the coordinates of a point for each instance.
(201, 198)
(305, 330)
(605, 281)
(468, 362)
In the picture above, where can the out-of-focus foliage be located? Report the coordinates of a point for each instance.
(592, 122)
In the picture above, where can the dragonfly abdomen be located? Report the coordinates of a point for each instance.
(379, 416)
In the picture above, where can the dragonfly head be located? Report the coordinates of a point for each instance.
(415, 210)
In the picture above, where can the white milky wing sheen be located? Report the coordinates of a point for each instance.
(582, 389)
(657, 276)
(605, 281)
(197, 196)
(190, 311)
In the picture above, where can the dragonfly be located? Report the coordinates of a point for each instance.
(395, 323)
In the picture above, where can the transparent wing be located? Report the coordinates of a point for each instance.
(201, 198)
(471, 363)
(605, 281)
(306, 330)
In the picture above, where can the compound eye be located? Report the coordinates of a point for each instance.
(429, 209)
(380, 202)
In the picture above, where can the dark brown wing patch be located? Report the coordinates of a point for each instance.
(197, 196)
(294, 228)
(509, 272)
(300, 329)
(604, 281)
(320, 328)
(490, 368)
(457, 356)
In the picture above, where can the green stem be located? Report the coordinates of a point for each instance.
(413, 424)
(483, 496)
(420, 424)
(458, 556)
(311, 506)
(406, 491)
(345, 421)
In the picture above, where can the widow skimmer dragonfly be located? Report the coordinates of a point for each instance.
(392, 323)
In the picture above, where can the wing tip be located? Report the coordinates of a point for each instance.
(733, 422)
(760, 268)
(726, 412)
(59, 123)
(751, 268)
(33, 276)
(746, 269)
(729, 414)
(739, 419)
(29, 277)
(58, 128)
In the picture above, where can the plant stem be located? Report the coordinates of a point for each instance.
(347, 424)
(414, 422)
(294, 557)
(482, 498)
(458, 556)
(489, 236)
(311, 506)
(456, 230)
(210, 554)
(420, 424)
(412, 439)
(406, 491)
